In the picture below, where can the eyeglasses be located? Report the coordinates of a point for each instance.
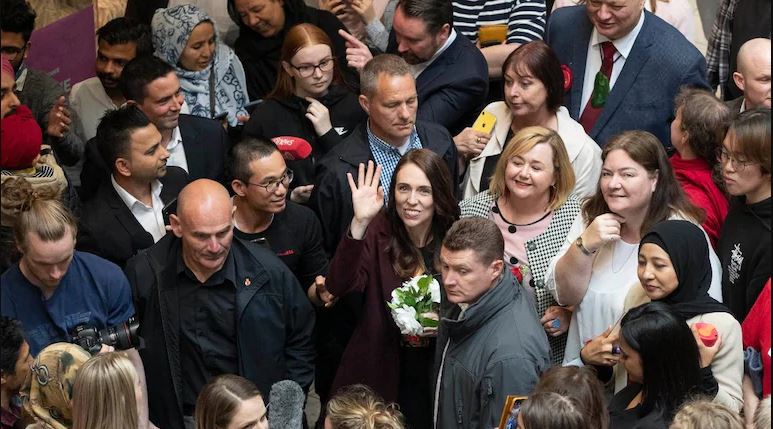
(738, 164)
(308, 70)
(11, 52)
(273, 185)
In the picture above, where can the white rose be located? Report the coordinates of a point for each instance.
(395, 298)
(413, 283)
(434, 290)
(405, 318)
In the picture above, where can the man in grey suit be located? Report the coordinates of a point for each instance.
(627, 66)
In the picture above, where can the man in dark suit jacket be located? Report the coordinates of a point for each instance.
(197, 145)
(451, 73)
(389, 98)
(651, 61)
(127, 213)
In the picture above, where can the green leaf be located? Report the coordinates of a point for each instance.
(430, 323)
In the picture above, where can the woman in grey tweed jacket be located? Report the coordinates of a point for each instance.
(530, 199)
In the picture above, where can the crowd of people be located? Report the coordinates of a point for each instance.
(212, 227)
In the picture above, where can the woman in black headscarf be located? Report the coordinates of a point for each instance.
(674, 269)
(262, 27)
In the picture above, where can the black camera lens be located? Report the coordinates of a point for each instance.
(121, 337)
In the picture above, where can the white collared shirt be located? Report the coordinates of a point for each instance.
(593, 59)
(418, 68)
(150, 217)
(177, 151)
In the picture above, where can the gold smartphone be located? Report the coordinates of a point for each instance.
(510, 411)
(489, 35)
(485, 122)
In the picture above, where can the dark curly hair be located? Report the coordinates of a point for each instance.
(11, 340)
(17, 16)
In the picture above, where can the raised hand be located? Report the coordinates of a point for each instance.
(319, 116)
(336, 7)
(357, 53)
(364, 8)
(58, 119)
(367, 198)
(604, 229)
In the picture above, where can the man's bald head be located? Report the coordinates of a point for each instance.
(204, 222)
(753, 75)
(203, 197)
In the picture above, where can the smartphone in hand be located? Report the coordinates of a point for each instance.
(485, 122)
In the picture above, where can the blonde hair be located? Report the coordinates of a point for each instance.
(39, 212)
(703, 413)
(524, 141)
(18, 194)
(104, 393)
(358, 407)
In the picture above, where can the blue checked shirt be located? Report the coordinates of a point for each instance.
(388, 156)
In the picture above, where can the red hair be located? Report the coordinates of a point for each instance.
(297, 38)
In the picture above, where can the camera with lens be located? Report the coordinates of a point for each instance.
(122, 336)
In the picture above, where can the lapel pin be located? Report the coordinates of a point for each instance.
(247, 281)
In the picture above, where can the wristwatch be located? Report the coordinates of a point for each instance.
(582, 248)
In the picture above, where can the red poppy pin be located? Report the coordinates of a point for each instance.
(567, 76)
(516, 270)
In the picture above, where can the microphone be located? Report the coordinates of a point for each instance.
(285, 409)
(292, 147)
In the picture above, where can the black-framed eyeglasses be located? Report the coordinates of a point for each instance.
(308, 70)
(272, 186)
(738, 164)
(11, 52)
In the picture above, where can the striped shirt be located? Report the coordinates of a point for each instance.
(525, 19)
(388, 156)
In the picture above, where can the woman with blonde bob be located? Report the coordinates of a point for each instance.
(530, 199)
(358, 407)
(597, 265)
(106, 393)
(229, 402)
(310, 100)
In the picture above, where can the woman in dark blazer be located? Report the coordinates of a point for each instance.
(382, 249)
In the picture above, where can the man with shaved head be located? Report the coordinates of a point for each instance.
(210, 304)
(753, 76)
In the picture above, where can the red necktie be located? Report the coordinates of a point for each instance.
(590, 114)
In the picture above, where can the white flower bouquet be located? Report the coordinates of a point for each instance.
(414, 306)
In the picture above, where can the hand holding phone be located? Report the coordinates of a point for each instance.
(485, 122)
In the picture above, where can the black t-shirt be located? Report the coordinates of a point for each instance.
(208, 336)
(295, 235)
